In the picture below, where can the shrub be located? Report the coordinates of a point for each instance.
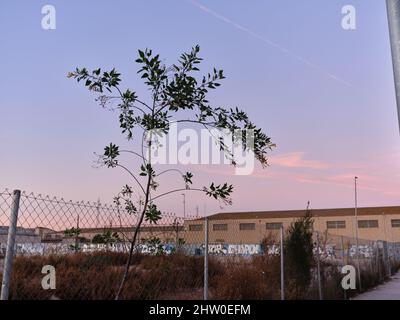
(299, 257)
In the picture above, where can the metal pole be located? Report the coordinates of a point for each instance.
(184, 205)
(77, 234)
(378, 260)
(357, 248)
(206, 258)
(343, 261)
(319, 270)
(12, 231)
(98, 213)
(393, 11)
(282, 268)
(342, 245)
(386, 258)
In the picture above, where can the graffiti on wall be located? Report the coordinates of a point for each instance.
(237, 249)
(328, 251)
(63, 248)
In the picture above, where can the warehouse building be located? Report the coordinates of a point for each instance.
(23, 235)
(374, 223)
(166, 234)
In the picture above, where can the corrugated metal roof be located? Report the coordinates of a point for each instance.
(366, 211)
(154, 228)
(20, 231)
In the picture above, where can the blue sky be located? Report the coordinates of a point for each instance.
(280, 58)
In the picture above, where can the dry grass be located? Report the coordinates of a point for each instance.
(97, 276)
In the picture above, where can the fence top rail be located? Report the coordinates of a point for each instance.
(80, 204)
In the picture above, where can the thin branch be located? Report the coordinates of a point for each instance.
(133, 152)
(224, 148)
(133, 176)
(165, 171)
(176, 190)
(141, 102)
(197, 122)
(131, 105)
(143, 137)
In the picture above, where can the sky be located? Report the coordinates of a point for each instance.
(324, 95)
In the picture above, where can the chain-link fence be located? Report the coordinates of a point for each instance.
(50, 225)
(88, 245)
(373, 262)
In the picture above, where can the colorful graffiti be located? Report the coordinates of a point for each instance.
(328, 251)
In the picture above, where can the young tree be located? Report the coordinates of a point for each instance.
(174, 93)
(107, 237)
(73, 232)
(299, 257)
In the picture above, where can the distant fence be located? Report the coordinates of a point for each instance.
(46, 223)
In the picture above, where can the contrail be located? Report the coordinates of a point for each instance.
(267, 41)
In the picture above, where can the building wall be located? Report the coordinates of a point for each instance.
(164, 236)
(22, 235)
(167, 234)
(235, 235)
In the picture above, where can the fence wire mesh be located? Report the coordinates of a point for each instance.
(88, 243)
(374, 261)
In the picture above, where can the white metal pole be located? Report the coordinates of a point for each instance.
(357, 247)
(184, 205)
(206, 258)
(319, 270)
(343, 260)
(98, 213)
(393, 11)
(12, 231)
(282, 267)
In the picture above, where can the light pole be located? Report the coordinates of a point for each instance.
(393, 11)
(98, 213)
(355, 215)
(184, 206)
(282, 266)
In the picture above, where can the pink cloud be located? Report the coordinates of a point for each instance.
(375, 173)
(296, 160)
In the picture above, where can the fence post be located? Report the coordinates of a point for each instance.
(377, 260)
(282, 268)
(319, 270)
(206, 258)
(12, 230)
(343, 262)
(388, 270)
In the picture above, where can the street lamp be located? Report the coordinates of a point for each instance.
(184, 206)
(355, 215)
(393, 12)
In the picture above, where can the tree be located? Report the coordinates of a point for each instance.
(155, 246)
(73, 232)
(299, 257)
(107, 237)
(174, 91)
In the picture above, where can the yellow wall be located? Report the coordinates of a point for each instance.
(234, 235)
